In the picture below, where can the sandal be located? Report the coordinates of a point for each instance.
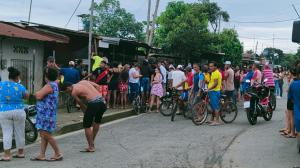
(38, 159)
(19, 157)
(87, 151)
(290, 136)
(285, 133)
(53, 159)
(4, 160)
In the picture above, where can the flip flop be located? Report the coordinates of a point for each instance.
(55, 159)
(87, 151)
(282, 130)
(4, 160)
(18, 157)
(37, 159)
(214, 124)
(289, 136)
(284, 133)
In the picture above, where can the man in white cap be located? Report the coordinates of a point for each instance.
(229, 81)
(178, 77)
(71, 75)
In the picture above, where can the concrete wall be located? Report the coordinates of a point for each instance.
(20, 52)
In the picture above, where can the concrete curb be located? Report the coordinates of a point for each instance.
(75, 126)
(66, 128)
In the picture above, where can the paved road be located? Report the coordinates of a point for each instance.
(152, 141)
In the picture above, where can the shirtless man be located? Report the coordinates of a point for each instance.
(94, 110)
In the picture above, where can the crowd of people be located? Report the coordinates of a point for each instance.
(116, 85)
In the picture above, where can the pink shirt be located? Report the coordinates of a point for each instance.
(268, 74)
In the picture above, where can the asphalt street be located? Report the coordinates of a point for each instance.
(153, 141)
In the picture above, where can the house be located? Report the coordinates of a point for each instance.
(24, 49)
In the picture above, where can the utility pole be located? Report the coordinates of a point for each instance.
(148, 20)
(153, 23)
(90, 36)
(273, 40)
(29, 15)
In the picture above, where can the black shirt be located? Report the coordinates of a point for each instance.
(146, 71)
(97, 72)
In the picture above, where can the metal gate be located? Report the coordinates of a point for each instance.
(26, 69)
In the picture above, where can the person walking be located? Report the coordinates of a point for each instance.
(12, 115)
(157, 90)
(93, 111)
(46, 116)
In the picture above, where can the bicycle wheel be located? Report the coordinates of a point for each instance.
(228, 112)
(165, 108)
(174, 110)
(200, 113)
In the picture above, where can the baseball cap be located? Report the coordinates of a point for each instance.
(227, 63)
(71, 63)
(179, 67)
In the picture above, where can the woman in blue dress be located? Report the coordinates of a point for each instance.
(46, 116)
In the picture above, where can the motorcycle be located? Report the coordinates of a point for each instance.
(257, 102)
(31, 133)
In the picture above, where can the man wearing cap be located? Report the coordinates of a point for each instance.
(229, 81)
(178, 77)
(97, 61)
(70, 74)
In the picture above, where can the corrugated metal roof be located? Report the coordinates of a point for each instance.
(10, 30)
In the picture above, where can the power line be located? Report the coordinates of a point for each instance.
(261, 22)
(253, 38)
(73, 13)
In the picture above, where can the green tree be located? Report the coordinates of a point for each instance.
(182, 29)
(231, 46)
(274, 54)
(113, 21)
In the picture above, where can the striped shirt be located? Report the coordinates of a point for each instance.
(268, 74)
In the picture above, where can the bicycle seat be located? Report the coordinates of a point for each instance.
(223, 96)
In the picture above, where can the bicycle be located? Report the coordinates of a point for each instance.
(176, 100)
(201, 110)
(70, 103)
(139, 105)
(166, 104)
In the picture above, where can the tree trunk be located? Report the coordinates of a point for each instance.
(148, 20)
(153, 23)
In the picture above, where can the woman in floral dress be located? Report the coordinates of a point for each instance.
(157, 89)
(46, 116)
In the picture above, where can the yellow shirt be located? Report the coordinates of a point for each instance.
(215, 75)
(207, 77)
(97, 62)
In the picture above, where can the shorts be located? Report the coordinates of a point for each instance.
(184, 96)
(214, 97)
(123, 87)
(93, 113)
(145, 84)
(103, 90)
(290, 105)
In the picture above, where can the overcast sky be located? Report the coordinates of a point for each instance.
(57, 13)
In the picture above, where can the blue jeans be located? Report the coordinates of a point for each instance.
(277, 88)
(134, 90)
(145, 84)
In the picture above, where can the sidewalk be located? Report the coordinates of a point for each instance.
(68, 122)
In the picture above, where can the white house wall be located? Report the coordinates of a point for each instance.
(8, 54)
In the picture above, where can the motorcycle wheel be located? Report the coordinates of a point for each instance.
(252, 118)
(31, 132)
(269, 113)
(273, 101)
(165, 108)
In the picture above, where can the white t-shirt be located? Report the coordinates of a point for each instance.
(170, 75)
(131, 72)
(178, 77)
(164, 73)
